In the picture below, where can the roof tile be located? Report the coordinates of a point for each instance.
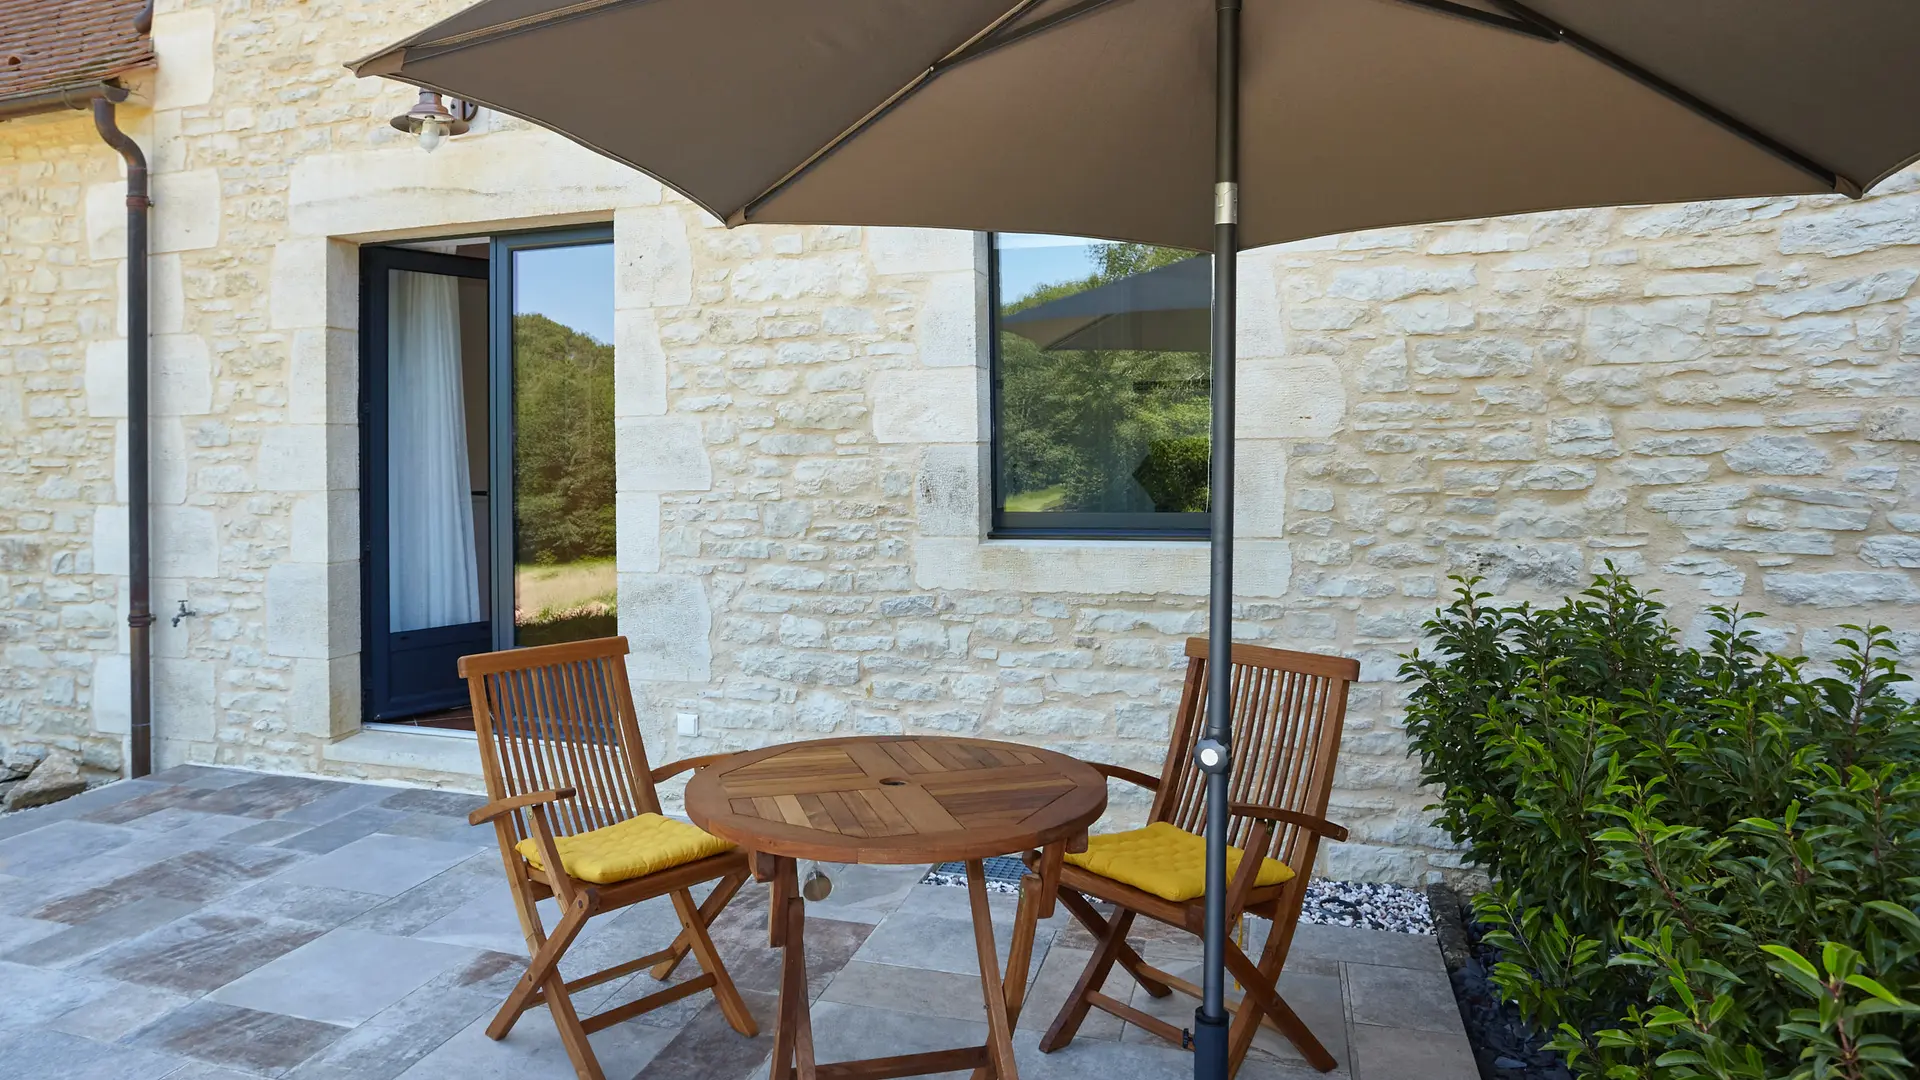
(49, 44)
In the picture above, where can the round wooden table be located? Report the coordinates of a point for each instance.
(899, 800)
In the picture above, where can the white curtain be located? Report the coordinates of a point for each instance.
(435, 576)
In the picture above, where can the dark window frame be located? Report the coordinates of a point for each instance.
(1053, 524)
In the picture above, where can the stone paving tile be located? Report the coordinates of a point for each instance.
(453, 830)
(910, 939)
(119, 924)
(851, 1032)
(434, 801)
(185, 823)
(1384, 1053)
(914, 990)
(46, 852)
(401, 1034)
(315, 904)
(267, 796)
(866, 893)
(379, 864)
(123, 1009)
(533, 1049)
(238, 1038)
(1318, 999)
(333, 806)
(15, 930)
(202, 952)
(201, 776)
(1401, 998)
(93, 799)
(1058, 975)
(438, 896)
(70, 1057)
(198, 876)
(740, 936)
(707, 1046)
(31, 997)
(343, 977)
(271, 831)
(1333, 944)
(341, 831)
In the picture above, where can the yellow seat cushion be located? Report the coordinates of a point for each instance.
(632, 848)
(1168, 862)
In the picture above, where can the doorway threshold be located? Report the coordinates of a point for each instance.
(420, 729)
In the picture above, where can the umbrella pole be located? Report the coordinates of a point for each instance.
(1213, 754)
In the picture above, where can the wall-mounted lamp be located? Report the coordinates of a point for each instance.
(432, 121)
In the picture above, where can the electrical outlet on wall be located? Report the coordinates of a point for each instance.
(689, 723)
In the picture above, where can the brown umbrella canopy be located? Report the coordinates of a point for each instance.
(1056, 115)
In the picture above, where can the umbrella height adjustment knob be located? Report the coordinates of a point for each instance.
(1211, 756)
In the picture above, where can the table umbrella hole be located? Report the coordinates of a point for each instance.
(893, 781)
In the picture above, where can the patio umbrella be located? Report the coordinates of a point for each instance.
(1162, 310)
(1124, 119)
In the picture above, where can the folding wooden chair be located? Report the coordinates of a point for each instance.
(573, 803)
(1288, 708)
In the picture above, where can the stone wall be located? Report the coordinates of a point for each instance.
(1723, 399)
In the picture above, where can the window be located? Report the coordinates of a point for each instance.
(487, 458)
(1101, 407)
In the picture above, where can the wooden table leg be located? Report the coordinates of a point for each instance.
(793, 1026)
(992, 988)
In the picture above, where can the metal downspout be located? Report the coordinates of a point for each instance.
(139, 549)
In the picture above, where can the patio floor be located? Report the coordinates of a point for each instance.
(207, 924)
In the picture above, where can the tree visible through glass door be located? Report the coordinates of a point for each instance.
(564, 585)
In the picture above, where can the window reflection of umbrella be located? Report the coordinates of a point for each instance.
(1124, 119)
(1165, 309)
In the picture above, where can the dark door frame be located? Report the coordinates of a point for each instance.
(378, 698)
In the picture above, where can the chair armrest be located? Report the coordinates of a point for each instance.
(1320, 826)
(499, 807)
(1131, 776)
(684, 764)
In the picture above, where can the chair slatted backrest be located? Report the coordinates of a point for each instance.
(1288, 709)
(555, 716)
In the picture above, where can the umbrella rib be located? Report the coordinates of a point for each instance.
(1488, 18)
(739, 217)
(993, 44)
(1833, 178)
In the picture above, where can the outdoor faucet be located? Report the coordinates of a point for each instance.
(183, 613)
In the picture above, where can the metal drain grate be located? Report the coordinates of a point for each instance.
(1003, 874)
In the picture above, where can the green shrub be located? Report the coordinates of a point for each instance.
(1705, 863)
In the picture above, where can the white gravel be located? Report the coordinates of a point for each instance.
(1369, 905)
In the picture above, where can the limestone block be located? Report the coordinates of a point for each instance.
(1381, 283)
(106, 206)
(183, 699)
(186, 211)
(109, 541)
(1472, 358)
(186, 542)
(323, 697)
(639, 364)
(313, 609)
(106, 377)
(1299, 398)
(661, 453)
(1891, 551)
(1854, 227)
(112, 685)
(927, 405)
(1842, 295)
(636, 532)
(653, 262)
(525, 176)
(169, 464)
(315, 282)
(668, 621)
(183, 45)
(1843, 588)
(294, 457)
(1262, 568)
(836, 275)
(1260, 488)
(325, 527)
(947, 495)
(951, 328)
(1257, 331)
(323, 376)
(166, 295)
(1895, 423)
(181, 383)
(924, 251)
(1659, 332)
(1778, 455)
(1429, 316)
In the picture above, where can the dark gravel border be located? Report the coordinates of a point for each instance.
(1505, 1047)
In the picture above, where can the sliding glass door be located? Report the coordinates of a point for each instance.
(487, 458)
